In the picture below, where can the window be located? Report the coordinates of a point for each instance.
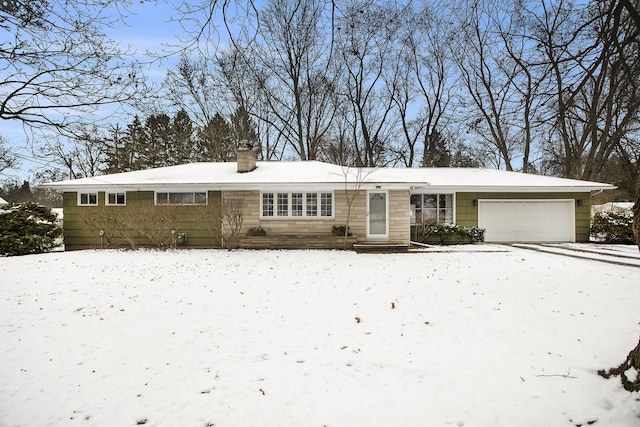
(430, 208)
(181, 198)
(297, 203)
(119, 199)
(88, 199)
(326, 204)
(305, 205)
(312, 204)
(267, 204)
(283, 204)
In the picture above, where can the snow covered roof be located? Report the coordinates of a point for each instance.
(292, 174)
(3, 202)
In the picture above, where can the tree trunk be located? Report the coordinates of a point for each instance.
(636, 213)
(632, 361)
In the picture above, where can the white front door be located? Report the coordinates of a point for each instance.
(378, 214)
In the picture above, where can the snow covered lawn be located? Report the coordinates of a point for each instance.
(490, 337)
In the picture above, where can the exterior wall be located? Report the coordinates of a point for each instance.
(399, 217)
(303, 227)
(78, 234)
(467, 214)
(312, 228)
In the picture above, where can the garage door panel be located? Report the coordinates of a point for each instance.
(527, 220)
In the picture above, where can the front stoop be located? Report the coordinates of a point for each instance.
(297, 242)
(380, 248)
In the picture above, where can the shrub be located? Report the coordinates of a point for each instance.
(27, 228)
(256, 231)
(613, 227)
(340, 230)
(450, 233)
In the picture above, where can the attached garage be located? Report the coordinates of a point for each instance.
(527, 220)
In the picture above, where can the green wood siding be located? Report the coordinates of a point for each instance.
(467, 213)
(191, 220)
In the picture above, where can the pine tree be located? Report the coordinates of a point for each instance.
(181, 149)
(436, 153)
(27, 228)
(156, 150)
(128, 156)
(215, 141)
(244, 130)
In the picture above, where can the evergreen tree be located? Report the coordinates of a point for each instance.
(244, 130)
(156, 150)
(27, 228)
(436, 153)
(128, 157)
(114, 150)
(216, 141)
(14, 191)
(182, 147)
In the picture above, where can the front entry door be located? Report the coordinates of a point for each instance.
(378, 207)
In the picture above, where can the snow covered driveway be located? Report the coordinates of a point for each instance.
(310, 338)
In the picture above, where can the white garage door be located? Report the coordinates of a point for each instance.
(527, 220)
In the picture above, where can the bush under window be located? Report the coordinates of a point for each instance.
(256, 231)
(449, 233)
(340, 230)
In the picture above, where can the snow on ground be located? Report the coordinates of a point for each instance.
(492, 336)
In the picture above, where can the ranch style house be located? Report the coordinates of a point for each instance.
(297, 204)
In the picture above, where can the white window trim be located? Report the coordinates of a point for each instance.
(106, 198)
(88, 204)
(304, 216)
(453, 201)
(206, 195)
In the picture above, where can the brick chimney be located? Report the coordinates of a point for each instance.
(246, 159)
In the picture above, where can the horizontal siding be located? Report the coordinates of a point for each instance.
(304, 227)
(82, 224)
(350, 208)
(399, 217)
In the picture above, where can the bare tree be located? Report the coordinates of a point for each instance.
(366, 35)
(238, 72)
(194, 85)
(294, 72)
(8, 158)
(231, 219)
(593, 55)
(56, 64)
(488, 79)
(82, 155)
(426, 82)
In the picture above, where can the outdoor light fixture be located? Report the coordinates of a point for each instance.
(579, 202)
(475, 202)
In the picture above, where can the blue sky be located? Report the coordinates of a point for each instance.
(148, 27)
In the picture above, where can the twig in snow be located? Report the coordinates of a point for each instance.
(567, 375)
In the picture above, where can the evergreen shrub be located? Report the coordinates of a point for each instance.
(27, 228)
(450, 233)
(340, 230)
(256, 231)
(613, 227)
